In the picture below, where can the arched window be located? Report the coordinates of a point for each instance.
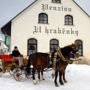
(56, 1)
(54, 43)
(43, 18)
(32, 46)
(68, 20)
(79, 43)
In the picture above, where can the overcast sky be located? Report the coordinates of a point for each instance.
(10, 8)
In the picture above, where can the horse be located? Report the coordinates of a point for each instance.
(63, 59)
(40, 61)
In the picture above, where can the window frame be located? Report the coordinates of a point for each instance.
(68, 20)
(43, 18)
(54, 44)
(56, 1)
(31, 41)
(79, 43)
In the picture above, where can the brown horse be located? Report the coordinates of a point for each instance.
(64, 58)
(39, 62)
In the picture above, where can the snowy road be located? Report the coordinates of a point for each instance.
(78, 77)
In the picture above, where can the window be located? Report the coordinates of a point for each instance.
(32, 46)
(79, 43)
(56, 1)
(53, 45)
(43, 18)
(68, 20)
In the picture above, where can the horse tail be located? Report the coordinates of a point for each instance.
(28, 69)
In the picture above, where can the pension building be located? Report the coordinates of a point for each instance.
(46, 24)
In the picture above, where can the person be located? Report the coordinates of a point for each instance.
(17, 54)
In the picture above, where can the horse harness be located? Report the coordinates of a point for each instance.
(59, 53)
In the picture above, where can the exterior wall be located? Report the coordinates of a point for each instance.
(25, 24)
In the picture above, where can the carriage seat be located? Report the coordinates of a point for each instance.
(8, 58)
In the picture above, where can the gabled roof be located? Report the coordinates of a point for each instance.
(36, 1)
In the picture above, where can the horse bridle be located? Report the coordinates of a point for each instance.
(61, 56)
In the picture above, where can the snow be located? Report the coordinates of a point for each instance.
(78, 77)
(1, 39)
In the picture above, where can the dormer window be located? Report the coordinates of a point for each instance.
(56, 1)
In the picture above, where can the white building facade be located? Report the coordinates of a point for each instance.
(47, 24)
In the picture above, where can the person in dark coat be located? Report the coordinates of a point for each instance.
(17, 54)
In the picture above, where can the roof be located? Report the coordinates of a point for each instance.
(3, 46)
(33, 1)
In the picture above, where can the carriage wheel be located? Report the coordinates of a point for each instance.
(1, 72)
(17, 73)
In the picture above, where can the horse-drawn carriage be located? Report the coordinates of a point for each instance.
(40, 61)
(11, 65)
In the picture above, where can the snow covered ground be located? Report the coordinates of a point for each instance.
(78, 77)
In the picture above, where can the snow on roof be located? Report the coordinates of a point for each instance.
(1, 39)
(3, 46)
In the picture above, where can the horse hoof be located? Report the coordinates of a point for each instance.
(43, 79)
(65, 81)
(34, 82)
(56, 85)
(62, 83)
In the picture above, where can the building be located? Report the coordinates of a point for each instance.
(47, 24)
(3, 47)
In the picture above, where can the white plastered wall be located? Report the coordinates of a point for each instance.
(24, 24)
